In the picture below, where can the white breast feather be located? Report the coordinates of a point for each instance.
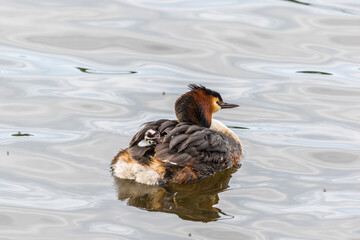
(220, 127)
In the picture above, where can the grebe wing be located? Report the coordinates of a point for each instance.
(193, 145)
(143, 153)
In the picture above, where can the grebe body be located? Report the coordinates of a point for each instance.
(191, 148)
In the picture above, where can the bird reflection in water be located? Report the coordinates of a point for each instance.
(190, 201)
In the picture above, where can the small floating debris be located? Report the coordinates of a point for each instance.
(324, 190)
(7, 153)
(163, 93)
(19, 134)
(314, 72)
(189, 234)
(91, 71)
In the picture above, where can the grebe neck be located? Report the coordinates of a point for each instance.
(189, 109)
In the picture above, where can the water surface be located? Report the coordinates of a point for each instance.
(78, 78)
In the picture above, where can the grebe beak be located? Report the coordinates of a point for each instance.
(228, 105)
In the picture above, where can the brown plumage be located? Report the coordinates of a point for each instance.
(186, 150)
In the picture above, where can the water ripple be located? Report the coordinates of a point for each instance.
(39, 198)
(329, 205)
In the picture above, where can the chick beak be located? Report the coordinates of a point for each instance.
(228, 105)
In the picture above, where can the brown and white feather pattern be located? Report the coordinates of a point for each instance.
(186, 152)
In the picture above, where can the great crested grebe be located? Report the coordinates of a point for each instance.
(191, 148)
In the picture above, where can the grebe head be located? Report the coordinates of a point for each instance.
(198, 105)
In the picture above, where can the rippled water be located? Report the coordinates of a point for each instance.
(77, 78)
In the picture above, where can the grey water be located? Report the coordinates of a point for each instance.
(78, 78)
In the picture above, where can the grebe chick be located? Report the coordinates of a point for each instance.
(191, 148)
(152, 137)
